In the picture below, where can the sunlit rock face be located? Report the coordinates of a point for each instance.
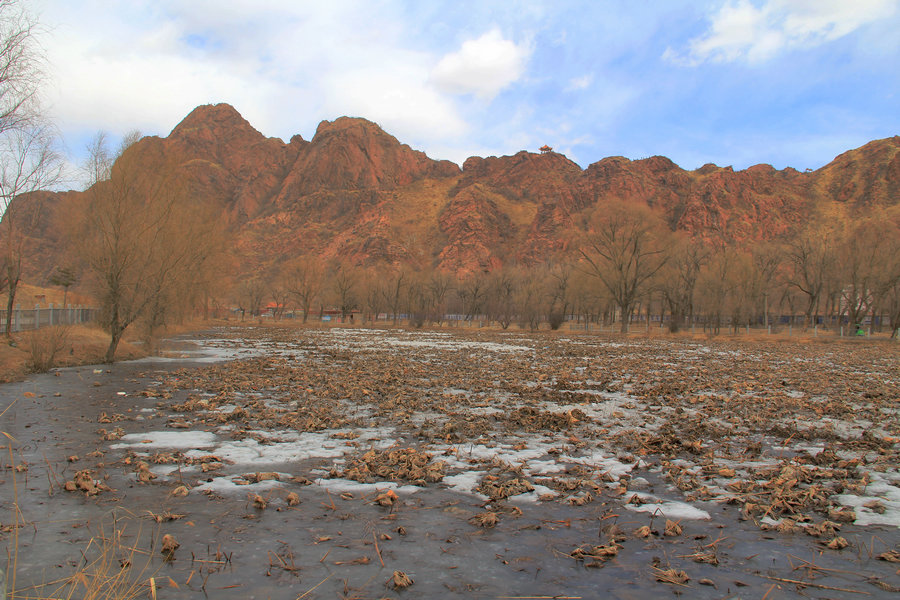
(356, 193)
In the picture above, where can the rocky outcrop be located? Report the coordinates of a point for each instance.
(476, 232)
(351, 153)
(863, 177)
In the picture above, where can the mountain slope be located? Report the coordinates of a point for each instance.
(356, 193)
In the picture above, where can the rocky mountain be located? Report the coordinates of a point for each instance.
(355, 192)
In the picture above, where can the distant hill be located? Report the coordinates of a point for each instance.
(355, 192)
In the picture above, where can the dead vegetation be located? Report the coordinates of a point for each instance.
(773, 438)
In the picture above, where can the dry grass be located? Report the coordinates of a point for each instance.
(45, 346)
(108, 571)
(80, 345)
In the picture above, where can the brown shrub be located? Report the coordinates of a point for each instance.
(44, 346)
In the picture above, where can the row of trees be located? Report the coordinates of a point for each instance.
(833, 270)
(151, 249)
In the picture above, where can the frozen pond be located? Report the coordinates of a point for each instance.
(322, 461)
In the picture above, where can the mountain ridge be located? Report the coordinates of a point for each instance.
(356, 193)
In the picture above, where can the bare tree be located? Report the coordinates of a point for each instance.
(252, 291)
(373, 294)
(472, 293)
(811, 258)
(887, 290)
(716, 284)
(393, 286)
(276, 290)
(501, 297)
(28, 161)
(678, 280)
(530, 295)
(142, 240)
(870, 265)
(345, 281)
(558, 292)
(768, 259)
(439, 286)
(303, 281)
(417, 298)
(625, 247)
(64, 277)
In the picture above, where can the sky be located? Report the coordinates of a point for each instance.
(732, 82)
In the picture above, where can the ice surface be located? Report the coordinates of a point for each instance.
(671, 509)
(167, 439)
(347, 485)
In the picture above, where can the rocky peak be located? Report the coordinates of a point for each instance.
(526, 176)
(864, 176)
(219, 134)
(215, 122)
(352, 153)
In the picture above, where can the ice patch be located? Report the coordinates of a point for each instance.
(167, 439)
(308, 445)
(504, 452)
(163, 471)
(464, 483)
(542, 467)
(534, 496)
(671, 509)
(880, 490)
(346, 485)
(601, 461)
(225, 485)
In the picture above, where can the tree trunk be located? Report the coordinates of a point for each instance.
(113, 345)
(9, 308)
(12, 283)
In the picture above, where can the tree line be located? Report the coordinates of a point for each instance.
(833, 270)
(151, 249)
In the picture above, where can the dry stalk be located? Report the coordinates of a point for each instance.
(815, 585)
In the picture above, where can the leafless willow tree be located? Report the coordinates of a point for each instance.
(303, 278)
(142, 239)
(251, 293)
(345, 283)
(678, 280)
(438, 286)
(811, 258)
(625, 247)
(28, 161)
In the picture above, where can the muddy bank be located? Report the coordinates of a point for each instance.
(322, 462)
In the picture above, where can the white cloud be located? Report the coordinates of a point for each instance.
(580, 83)
(482, 66)
(743, 30)
(147, 65)
(398, 100)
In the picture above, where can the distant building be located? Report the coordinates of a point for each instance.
(545, 149)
